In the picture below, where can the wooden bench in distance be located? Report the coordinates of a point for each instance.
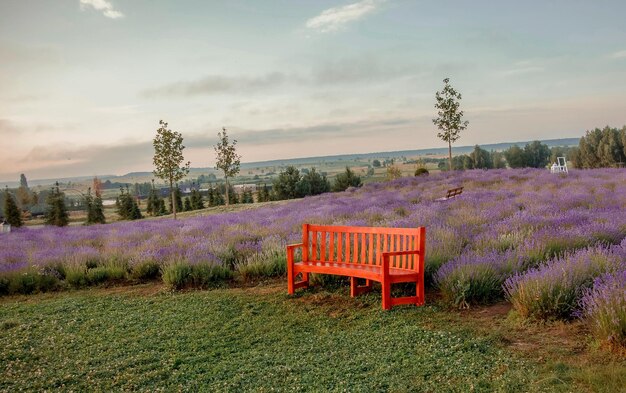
(452, 193)
(385, 255)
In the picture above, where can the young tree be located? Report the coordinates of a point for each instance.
(98, 211)
(393, 172)
(227, 159)
(11, 211)
(56, 212)
(449, 118)
(187, 204)
(168, 157)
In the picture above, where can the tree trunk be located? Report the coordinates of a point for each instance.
(227, 197)
(173, 198)
(450, 153)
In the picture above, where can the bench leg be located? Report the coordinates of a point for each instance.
(290, 279)
(386, 295)
(356, 289)
(419, 291)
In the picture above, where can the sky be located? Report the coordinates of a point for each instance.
(84, 83)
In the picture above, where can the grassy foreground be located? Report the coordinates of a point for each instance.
(258, 339)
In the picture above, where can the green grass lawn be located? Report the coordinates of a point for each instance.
(243, 339)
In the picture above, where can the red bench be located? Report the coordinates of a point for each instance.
(385, 255)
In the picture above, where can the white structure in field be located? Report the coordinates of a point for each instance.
(560, 166)
(4, 227)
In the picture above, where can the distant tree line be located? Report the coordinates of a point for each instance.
(600, 148)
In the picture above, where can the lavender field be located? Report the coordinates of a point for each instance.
(537, 239)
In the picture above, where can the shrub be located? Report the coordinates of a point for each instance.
(76, 277)
(148, 270)
(24, 283)
(552, 291)
(205, 275)
(475, 277)
(4, 285)
(177, 275)
(97, 275)
(421, 172)
(604, 307)
(263, 265)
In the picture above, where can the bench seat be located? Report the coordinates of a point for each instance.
(372, 272)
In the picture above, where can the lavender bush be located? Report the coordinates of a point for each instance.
(528, 215)
(554, 289)
(604, 307)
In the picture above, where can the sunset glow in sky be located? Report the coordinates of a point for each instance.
(84, 83)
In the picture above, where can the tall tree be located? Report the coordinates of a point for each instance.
(11, 212)
(537, 154)
(481, 158)
(168, 158)
(449, 117)
(286, 185)
(515, 157)
(23, 181)
(227, 159)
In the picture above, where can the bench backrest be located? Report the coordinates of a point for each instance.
(363, 245)
(454, 192)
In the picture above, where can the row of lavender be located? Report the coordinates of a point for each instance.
(506, 223)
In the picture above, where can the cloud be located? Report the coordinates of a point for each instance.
(216, 84)
(337, 18)
(104, 6)
(521, 71)
(618, 55)
(353, 70)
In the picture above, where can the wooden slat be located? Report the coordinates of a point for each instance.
(363, 248)
(355, 247)
(323, 246)
(397, 248)
(405, 260)
(331, 247)
(314, 246)
(340, 247)
(371, 249)
(305, 242)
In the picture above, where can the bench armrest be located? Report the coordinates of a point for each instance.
(294, 246)
(387, 255)
(397, 253)
(290, 252)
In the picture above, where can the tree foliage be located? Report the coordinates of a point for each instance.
(393, 172)
(449, 118)
(12, 213)
(345, 180)
(533, 155)
(127, 207)
(602, 148)
(56, 210)
(286, 185)
(481, 158)
(226, 158)
(95, 210)
(168, 157)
